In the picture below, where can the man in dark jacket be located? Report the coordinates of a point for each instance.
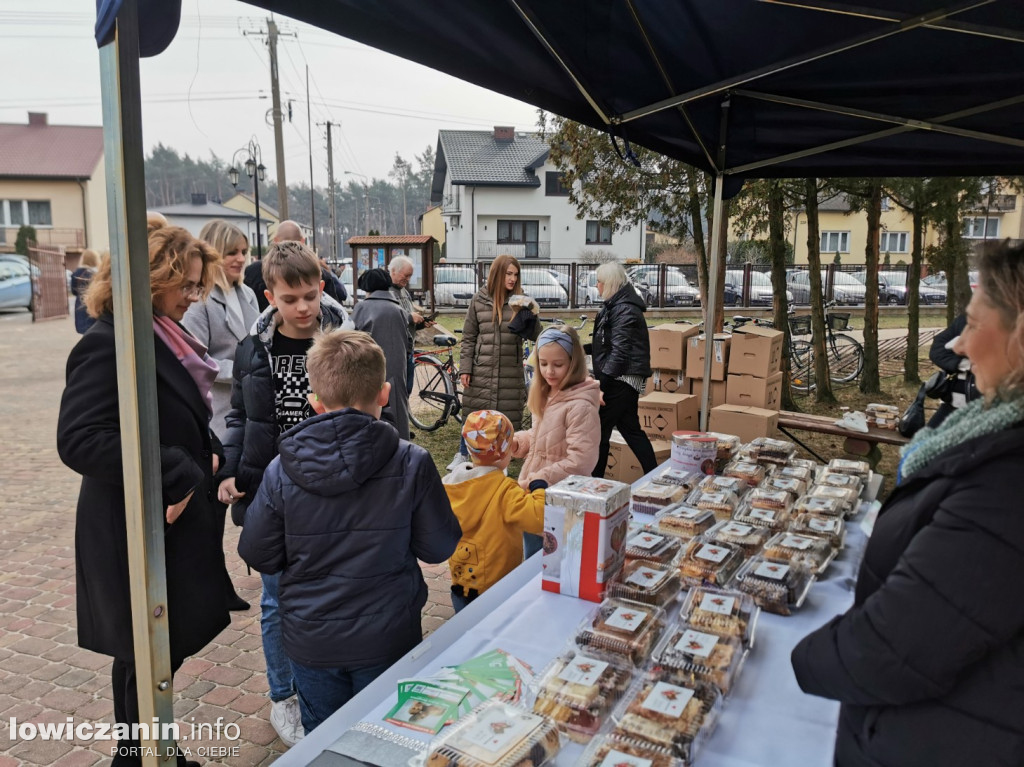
(960, 388)
(343, 514)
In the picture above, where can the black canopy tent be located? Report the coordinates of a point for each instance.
(740, 88)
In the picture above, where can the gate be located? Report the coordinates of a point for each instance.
(49, 282)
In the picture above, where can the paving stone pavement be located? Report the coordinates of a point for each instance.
(44, 676)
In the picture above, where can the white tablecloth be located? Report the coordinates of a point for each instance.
(766, 722)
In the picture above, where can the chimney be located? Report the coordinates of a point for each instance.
(504, 133)
(37, 118)
(199, 198)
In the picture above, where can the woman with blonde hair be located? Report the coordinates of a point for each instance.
(181, 271)
(80, 279)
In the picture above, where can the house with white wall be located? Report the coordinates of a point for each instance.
(499, 193)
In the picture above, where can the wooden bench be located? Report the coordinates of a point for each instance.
(854, 442)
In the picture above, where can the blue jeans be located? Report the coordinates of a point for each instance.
(410, 374)
(279, 671)
(322, 691)
(460, 602)
(531, 544)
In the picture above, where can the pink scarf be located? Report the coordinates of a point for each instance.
(191, 354)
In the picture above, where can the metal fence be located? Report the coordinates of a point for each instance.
(49, 282)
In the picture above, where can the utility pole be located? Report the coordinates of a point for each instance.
(330, 182)
(312, 189)
(275, 90)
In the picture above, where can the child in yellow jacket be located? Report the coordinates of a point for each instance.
(492, 508)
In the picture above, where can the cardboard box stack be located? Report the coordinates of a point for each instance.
(753, 385)
(623, 465)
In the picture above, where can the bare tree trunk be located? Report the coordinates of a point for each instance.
(869, 380)
(911, 372)
(719, 282)
(960, 285)
(823, 389)
(697, 228)
(777, 253)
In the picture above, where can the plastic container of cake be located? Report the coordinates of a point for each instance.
(613, 751)
(793, 485)
(749, 538)
(768, 450)
(724, 612)
(497, 734)
(860, 469)
(847, 496)
(671, 475)
(720, 502)
(822, 505)
(695, 451)
(832, 528)
(806, 473)
(648, 545)
(831, 478)
(684, 521)
(728, 445)
(770, 519)
(705, 562)
(648, 582)
(812, 552)
(767, 498)
(751, 473)
(578, 691)
(686, 654)
(623, 627)
(777, 587)
(650, 497)
(676, 717)
(734, 485)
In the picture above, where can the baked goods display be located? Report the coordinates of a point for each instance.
(578, 691)
(735, 485)
(725, 612)
(848, 496)
(751, 473)
(648, 545)
(679, 477)
(647, 582)
(614, 751)
(811, 552)
(860, 469)
(882, 416)
(623, 627)
(675, 716)
(768, 450)
(792, 485)
(822, 505)
(832, 528)
(770, 519)
(721, 502)
(651, 497)
(684, 521)
(704, 562)
(687, 655)
(777, 587)
(496, 734)
(749, 538)
(806, 473)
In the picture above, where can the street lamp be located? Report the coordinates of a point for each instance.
(256, 170)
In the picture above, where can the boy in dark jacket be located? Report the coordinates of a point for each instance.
(268, 397)
(342, 515)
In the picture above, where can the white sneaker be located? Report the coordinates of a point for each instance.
(458, 460)
(287, 720)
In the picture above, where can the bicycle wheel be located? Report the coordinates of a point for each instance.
(801, 365)
(433, 395)
(845, 358)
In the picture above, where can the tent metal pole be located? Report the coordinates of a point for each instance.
(136, 380)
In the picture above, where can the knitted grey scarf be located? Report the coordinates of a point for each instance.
(974, 420)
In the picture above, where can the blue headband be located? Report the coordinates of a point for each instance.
(556, 336)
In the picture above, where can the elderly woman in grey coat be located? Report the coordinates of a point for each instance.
(381, 315)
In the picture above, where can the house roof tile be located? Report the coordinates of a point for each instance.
(49, 151)
(401, 239)
(476, 158)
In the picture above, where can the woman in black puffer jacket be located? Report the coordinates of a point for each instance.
(622, 363)
(929, 662)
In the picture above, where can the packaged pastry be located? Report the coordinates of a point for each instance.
(792, 485)
(614, 751)
(721, 502)
(647, 582)
(805, 463)
(684, 521)
(820, 504)
(686, 655)
(848, 496)
(882, 416)
(811, 552)
(770, 519)
(860, 469)
(835, 479)
(496, 734)
(650, 497)
(695, 451)
(734, 485)
(728, 445)
(832, 528)
(705, 562)
(578, 691)
(679, 477)
(764, 498)
(776, 586)
(678, 717)
(647, 545)
(727, 613)
(622, 627)
(804, 473)
(768, 450)
(748, 537)
(751, 473)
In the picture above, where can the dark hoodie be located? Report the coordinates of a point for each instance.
(621, 345)
(343, 513)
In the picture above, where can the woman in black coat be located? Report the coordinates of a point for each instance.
(89, 442)
(621, 352)
(928, 664)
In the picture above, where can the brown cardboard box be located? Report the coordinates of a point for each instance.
(662, 413)
(747, 423)
(754, 391)
(695, 357)
(670, 381)
(718, 391)
(623, 466)
(668, 345)
(756, 351)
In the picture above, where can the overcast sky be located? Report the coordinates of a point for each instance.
(210, 90)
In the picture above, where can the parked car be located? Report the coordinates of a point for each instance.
(678, 291)
(561, 277)
(892, 289)
(845, 288)
(587, 293)
(540, 285)
(15, 284)
(454, 285)
(761, 293)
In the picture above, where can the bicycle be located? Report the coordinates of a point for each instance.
(845, 354)
(435, 387)
(528, 345)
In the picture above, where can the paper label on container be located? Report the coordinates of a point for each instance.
(823, 525)
(696, 643)
(646, 577)
(737, 528)
(646, 541)
(793, 471)
(585, 671)
(496, 732)
(796, 542)
(619, 759)
(719, 347)
(766, 514)
(711, 553)
(772, 570)
(786, 483)
(626, 619)
(816, 503)
(717, 603)
(717, 496)
(686, 512)
(667, 699)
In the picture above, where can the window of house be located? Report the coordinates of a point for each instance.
(893, 242)
(599, 233)
(835, 242)
(977, 227)
(31, 212)
(516, 232)
(553, 186)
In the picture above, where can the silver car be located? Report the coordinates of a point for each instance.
(845, 289)
(678, 291)
(454, 285)
(540, 285)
